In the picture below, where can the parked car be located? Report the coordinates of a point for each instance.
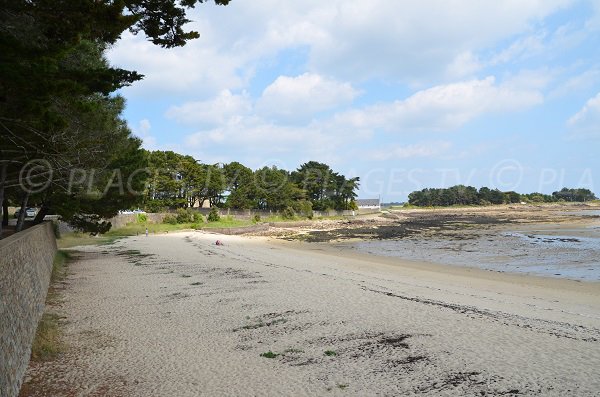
(29, 212)
(130, 212)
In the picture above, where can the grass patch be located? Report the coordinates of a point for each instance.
(59, 266)
(342, 386)
(330, 353)
(74, 239)
(226, 222)
(269, 354)
(47, 343)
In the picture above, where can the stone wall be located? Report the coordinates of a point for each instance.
(123, 219)
(25, 267)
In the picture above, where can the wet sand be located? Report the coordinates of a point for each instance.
(176, 315)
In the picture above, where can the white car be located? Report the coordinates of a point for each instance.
(29, 212)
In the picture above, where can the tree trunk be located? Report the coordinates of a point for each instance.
(39, 218)
(4, 207)
(21, 220)
(5, 213)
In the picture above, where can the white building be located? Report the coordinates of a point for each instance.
(368, 204)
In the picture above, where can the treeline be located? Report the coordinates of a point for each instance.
(179, 181)
(469, 195)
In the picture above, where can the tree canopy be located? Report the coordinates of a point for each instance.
(468, 195)
(179, 181)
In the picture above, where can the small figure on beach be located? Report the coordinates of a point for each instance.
(146, 232)
(219, 242)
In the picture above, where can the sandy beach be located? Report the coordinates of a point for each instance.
(177, 315)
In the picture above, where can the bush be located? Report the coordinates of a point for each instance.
(170, 219)
(213, 215)
(288, 213)
(184, 216)
(304, 208)
(141, 218)
(256, 218)
(197, 217)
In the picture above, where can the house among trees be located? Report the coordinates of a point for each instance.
(368, 204)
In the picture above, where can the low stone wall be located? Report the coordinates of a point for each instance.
(123, 219)
(25, 267)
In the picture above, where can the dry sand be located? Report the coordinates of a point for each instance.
(176, 315)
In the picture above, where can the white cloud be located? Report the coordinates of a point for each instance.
(464, 64)
(294, 98)
(398, 152)
(443, 107)
(578, 82)
(522, 48)
(350, 40)
(252, 140)
(198, 68)
(594, 22)
(586, 122)
(214, 111)
(142, 131)
(439, 108)
(415, 42)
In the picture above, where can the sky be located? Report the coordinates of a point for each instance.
(403, 94)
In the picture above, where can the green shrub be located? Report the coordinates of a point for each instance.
(170, 219)
(256, 218)
(213, 215)
(304, 208)
(197, 217)
(141, 218)
(184, 216)
(288, 213)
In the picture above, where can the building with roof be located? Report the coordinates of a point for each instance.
(368, 204)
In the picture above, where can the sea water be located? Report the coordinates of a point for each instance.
(573, 254)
